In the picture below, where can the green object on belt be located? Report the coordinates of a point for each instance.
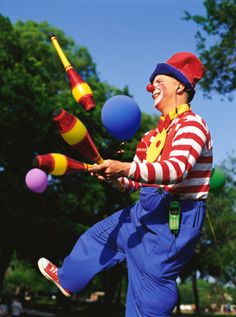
(174, 216)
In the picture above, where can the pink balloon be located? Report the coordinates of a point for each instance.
(36, 180)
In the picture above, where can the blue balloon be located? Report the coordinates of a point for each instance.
(121, 117)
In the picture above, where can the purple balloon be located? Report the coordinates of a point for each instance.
(36, 180)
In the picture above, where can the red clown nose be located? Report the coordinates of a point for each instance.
(150, 88)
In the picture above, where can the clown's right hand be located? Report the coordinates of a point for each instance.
(115, 183)
(98, 176)
(111, 169)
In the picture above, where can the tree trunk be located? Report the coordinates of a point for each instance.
(195, 291)
(6, 251)
(220, 291)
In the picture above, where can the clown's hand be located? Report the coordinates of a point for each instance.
(111, 169)
(98, 176)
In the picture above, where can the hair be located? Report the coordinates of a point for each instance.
(190, 92)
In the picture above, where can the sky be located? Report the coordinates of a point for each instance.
(126, 39)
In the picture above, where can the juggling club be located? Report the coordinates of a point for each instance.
(74, 132)
(79, 88)
(58, 164)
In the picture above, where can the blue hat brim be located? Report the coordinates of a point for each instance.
(168, 70)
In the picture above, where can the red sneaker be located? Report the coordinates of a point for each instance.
(49, 270)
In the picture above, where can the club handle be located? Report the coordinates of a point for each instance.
(60, 52)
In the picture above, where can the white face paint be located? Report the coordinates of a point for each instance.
(157, 96)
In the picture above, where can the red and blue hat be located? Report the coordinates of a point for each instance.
(183, 66)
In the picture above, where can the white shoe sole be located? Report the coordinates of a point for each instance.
(41, 268)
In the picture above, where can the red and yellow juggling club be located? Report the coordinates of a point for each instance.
(59, 164)
(79, 88)
(74, 132)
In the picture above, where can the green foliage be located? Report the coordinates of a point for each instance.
(33, 84)
(22, 274)
(208, 292)
(218, 54)
(215, 254)
(220, 256)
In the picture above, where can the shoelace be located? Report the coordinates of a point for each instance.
(53, 269)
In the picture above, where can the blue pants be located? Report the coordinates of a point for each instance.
(139, 234)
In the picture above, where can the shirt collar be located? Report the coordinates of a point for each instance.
(164, 121)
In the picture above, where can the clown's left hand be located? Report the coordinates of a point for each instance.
(111, 169)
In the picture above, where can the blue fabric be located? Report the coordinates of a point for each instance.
(139, 234)
(169, 70)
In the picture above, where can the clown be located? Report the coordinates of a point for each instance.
(172, 164)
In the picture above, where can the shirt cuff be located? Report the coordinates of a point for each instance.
(132, 170)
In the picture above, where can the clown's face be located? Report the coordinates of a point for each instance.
(164, 92)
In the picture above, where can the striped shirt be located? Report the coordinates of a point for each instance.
(184, 165)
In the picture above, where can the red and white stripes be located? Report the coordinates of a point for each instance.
(184, 166)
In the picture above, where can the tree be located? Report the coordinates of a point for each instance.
(216, 44)
(33, 85)
(219, 260)
(218, 49)
(208, 293)
(215, 252)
